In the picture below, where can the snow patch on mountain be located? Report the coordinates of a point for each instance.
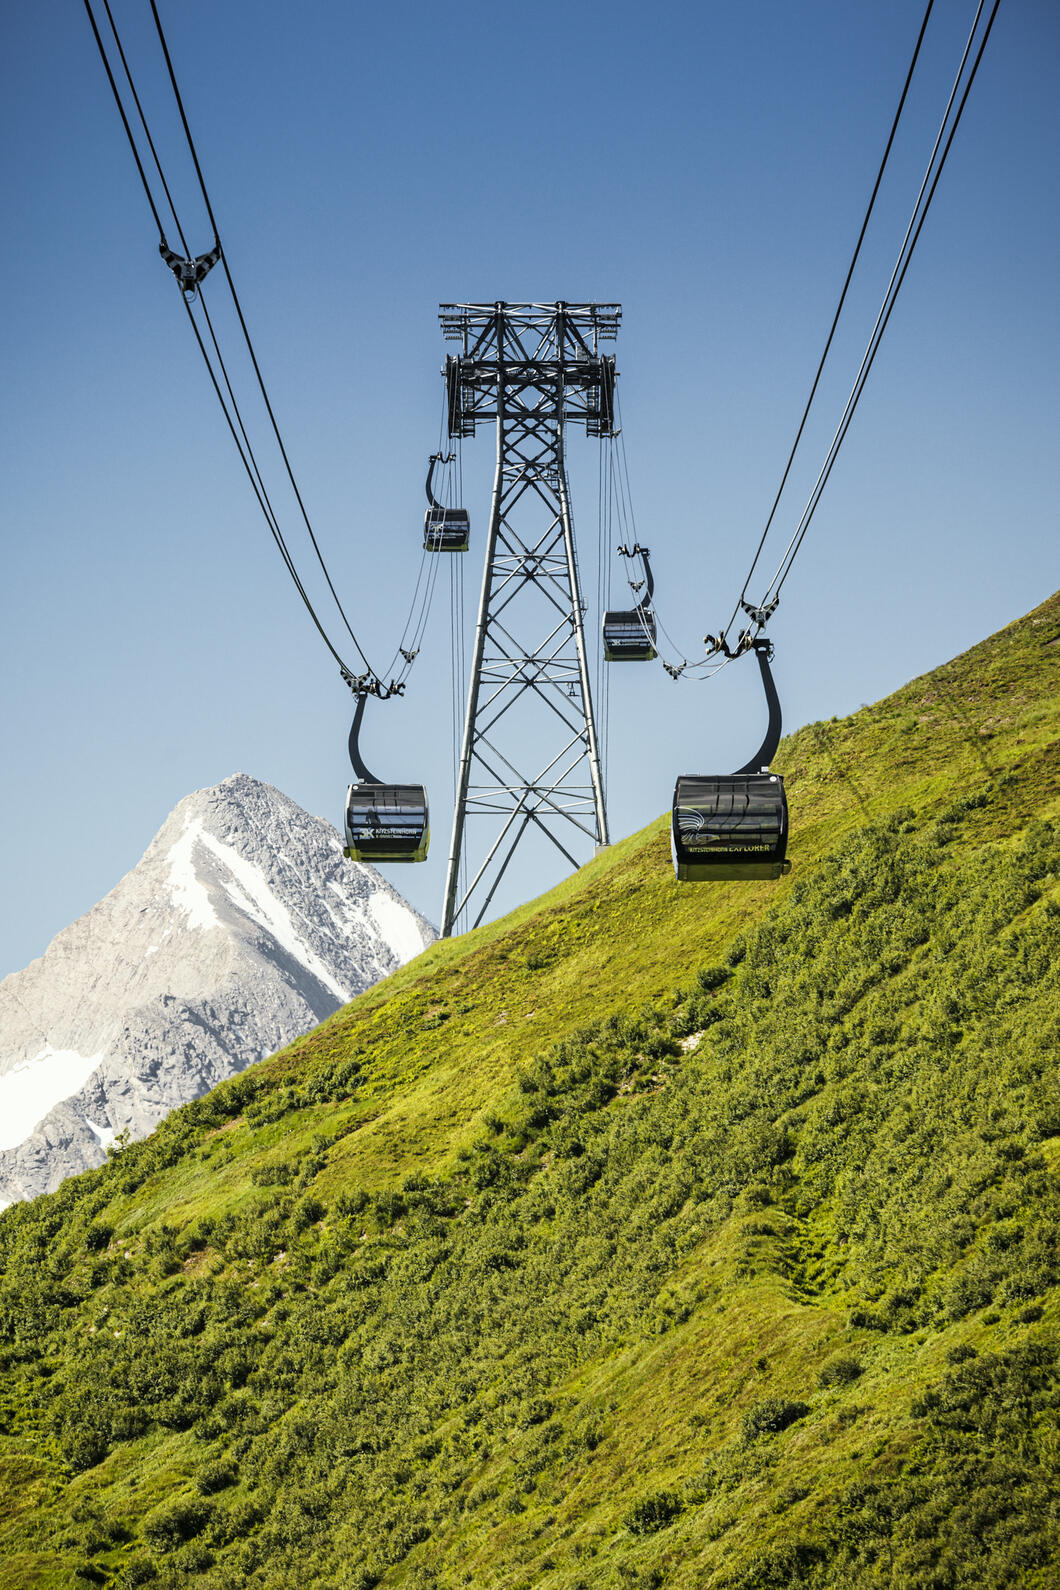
(33, 1087)
(394, 924)
(250, 893)
(185, 887)
(104, 1135)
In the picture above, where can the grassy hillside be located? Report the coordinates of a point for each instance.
(650, 1237)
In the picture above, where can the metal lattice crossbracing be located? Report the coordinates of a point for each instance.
(529, 758)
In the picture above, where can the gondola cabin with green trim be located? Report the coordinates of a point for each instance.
(387, 822)
(384, 822)
(730, 827)
(629, 635)
(444, 529)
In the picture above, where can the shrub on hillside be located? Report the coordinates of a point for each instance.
(786, 1565)
(841, 1371)
(770, 1415)
(387, 1382)
(653, 1512)
(169, 1526)
(137, 1571)
(214, 1477)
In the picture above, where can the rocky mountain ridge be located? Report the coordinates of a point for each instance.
(242, 927)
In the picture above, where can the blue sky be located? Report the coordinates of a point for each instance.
(708, 167)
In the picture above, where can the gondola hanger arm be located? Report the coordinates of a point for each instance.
(760, 762)
(649, 578)
(436, 458)
(644, 553)
(359, 768)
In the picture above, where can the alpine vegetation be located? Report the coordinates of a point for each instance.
(651, 1237)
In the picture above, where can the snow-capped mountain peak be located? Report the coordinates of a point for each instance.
(242, 927)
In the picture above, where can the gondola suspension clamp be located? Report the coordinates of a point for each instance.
(190, 273)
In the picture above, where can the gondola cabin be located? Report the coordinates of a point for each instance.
(384, 822)
(446, 529)
(728, 827)
(387, 822)
(630, 636)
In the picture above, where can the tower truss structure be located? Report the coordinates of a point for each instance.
(529, 758)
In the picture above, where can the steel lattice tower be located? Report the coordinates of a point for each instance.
(529, 756)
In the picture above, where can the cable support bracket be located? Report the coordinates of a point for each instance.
(746, 638)
(760, 615)
(719, 643)
(369, 685)
(716, 643)
(190, 272)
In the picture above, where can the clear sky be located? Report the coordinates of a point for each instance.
(705, 165)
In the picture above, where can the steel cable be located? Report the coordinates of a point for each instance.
(235, 426)
(124, 118)
(252, 469)
(247, 338)
(245, 448)
(419, 609)
(277, 536)
(905, 256)
(622, 492)
(835, 317)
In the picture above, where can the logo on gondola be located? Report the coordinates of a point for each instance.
(693, 825)
(735, 849)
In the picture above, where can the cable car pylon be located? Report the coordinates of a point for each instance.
(529, 758)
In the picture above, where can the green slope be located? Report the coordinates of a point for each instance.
(652, 1236)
